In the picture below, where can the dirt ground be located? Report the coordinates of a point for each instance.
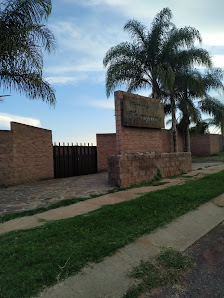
(206, 278)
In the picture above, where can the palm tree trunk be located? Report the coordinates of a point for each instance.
(174, 124)
(188, 140)
(155, 90)
(222, 132)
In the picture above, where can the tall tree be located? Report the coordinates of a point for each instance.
(153, 57)
(214, 107)
(197, 86)
(24, 36)
(191, 88)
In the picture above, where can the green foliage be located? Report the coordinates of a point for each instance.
(168, 267)
(158, 175)
(214, 108)
(154, 56)
(160, 58)
(200, 128)
(23, 38)
(34, 259)
(174, 260)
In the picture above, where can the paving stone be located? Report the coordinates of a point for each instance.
(43, 193)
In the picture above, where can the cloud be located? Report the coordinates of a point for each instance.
(89, 40)
(83, 45)
(97, 103)
(214, 39)
(85, 67)
(75, 78)
(5, 120)
(103, 104)
(81, 51)
(205, 15)
(64, 80)
(218, 60)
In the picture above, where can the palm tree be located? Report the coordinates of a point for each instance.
(153, 57)
(190, 85)
(214, 107)
(23, 38)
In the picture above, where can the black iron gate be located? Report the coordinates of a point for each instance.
(74, 160)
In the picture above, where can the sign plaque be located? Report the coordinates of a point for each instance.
(140, 112)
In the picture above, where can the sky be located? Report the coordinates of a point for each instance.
(85, 30)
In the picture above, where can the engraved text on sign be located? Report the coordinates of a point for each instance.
(142, 112)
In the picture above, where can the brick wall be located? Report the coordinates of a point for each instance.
(131, 139)
(134, 162)
(6, 157)
(128, 169)
(204, 145)
(167, 141)
(29, 154)
(200, 145)
(106, 146)
(215, 143)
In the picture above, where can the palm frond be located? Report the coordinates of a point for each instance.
(30, 84)
(213, 79)
(123, 50)
(32, 11)
(192, 57)
(136, 30)
(23, 38)
(213, 107)
(127, 72)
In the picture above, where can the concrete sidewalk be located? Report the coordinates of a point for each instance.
(28, 222)
(110, 278)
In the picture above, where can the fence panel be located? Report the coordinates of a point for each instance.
(74, 160)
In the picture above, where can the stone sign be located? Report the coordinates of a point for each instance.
(140, 112)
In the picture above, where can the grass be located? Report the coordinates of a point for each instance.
(215, 157)
(33, 259)
(67, 202)
(168, 267)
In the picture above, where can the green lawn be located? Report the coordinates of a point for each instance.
(33, 259)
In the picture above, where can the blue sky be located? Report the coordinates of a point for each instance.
(85, 30)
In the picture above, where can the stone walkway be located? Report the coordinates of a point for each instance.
(43, 193)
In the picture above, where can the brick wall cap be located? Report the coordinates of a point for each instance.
(13, 123)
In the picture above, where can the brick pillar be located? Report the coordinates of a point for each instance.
(118, 96)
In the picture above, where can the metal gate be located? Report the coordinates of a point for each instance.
(74, 160)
